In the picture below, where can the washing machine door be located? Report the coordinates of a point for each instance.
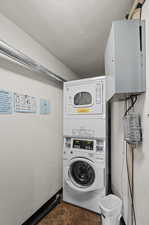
(81, 175)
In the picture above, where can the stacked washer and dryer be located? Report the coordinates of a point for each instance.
(85, 165)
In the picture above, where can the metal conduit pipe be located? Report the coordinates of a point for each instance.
(134, 7)
(22, 59)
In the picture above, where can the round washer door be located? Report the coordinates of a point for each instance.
(82, 175)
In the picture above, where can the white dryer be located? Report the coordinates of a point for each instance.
(84, 108)
(85, 172)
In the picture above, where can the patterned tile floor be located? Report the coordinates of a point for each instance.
(67, 214)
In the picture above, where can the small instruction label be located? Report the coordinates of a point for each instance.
(24, 103)
(44, 106)
(5, 102)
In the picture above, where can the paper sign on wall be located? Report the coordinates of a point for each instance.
(44, 106)
(5, 102)
(24, 103)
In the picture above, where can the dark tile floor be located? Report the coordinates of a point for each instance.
(67, 214)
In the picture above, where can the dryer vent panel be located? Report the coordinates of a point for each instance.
(125, 59)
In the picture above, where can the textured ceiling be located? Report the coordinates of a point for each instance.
(75, 31)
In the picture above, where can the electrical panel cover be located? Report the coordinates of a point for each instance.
(125, 59)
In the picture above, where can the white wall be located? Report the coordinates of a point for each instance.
(119, 175)
(30, 145)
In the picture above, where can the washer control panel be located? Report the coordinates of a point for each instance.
(83, 144)
(86, 145)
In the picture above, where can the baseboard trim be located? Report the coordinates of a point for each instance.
(44, 210)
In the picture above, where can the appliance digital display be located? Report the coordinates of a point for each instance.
(83, 144)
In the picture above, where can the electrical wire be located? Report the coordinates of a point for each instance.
(141, 13)
(133, 102)
(123, 160)
(140, 6)
(122, 171)
(131, 189)
(132, 162)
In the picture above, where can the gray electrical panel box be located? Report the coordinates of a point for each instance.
(125, 59)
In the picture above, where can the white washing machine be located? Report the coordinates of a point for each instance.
(84, 172)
